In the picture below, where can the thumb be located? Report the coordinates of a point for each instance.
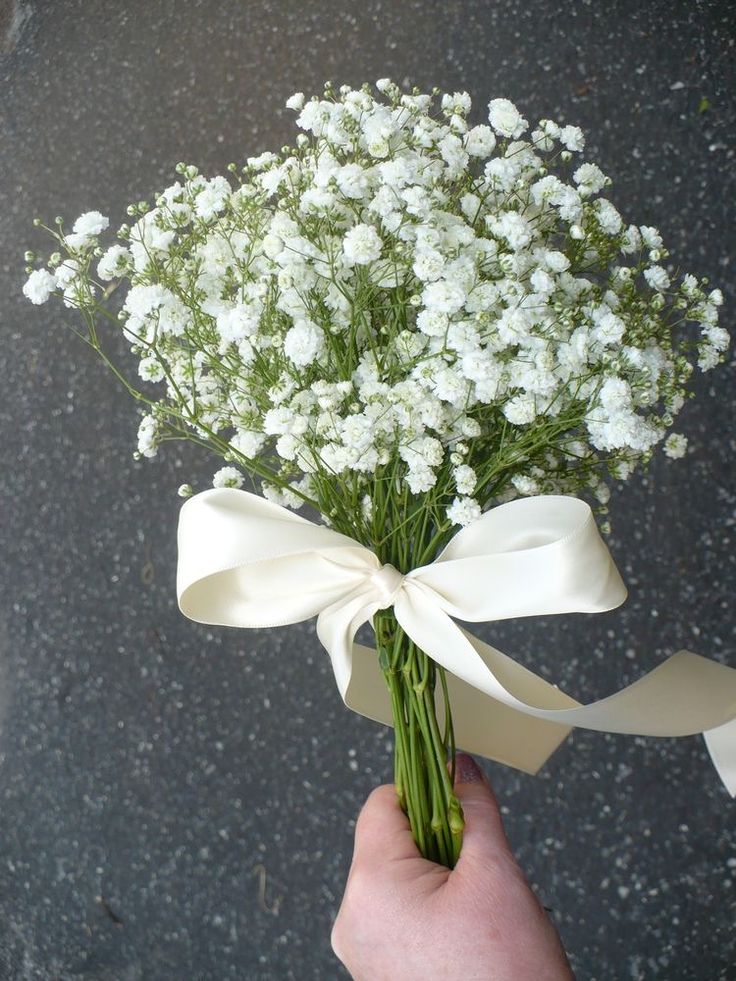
(484, 837)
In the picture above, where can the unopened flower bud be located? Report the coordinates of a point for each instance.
(455, 817)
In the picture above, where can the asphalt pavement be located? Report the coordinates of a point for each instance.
(177, 801)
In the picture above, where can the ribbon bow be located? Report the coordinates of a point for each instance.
(246, 562)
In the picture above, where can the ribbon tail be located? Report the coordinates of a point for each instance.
(687, 694)
(337, 626)
(482, 724)
(721, 743)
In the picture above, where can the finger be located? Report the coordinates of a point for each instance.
(484, 836)
(382, 832)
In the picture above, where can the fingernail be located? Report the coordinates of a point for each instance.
(467, 770)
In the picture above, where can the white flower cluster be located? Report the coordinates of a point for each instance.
(404, 293)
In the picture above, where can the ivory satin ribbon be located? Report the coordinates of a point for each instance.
(246, 562)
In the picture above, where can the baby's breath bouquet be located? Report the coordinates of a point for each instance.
(402, 320)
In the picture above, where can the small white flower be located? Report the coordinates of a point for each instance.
(147, 436)
(458, 102)
(185, 490)
(262, 160)
(464, 511)
(366, 508)
(465, 479)
(525, 485)
(650, 236)
(67, 272)
(456, 158)
(470, 428)
(708, 357)
(717, 336)
(615, 394)
(421, 480)
(521, 409)
(609, 329)
(361, 245)
(295, 101)
(228, 477)
(142, 299)
(556, 261)
(39, 286)
(505, 118)
(542, 282)
(423, 451)
(284, 498)
(304, 343)
(428, 265)
(89, 224)
(115, 262)
(602, 492)
(433, 322)
(631, 240)
(657, 278)
(151, 369)
(444, 296)
(608, 217)
(480, 141)
(590, 178)
(572, 138)
(248, 442)
(212, 198)
(514, 228)
(675, 446)
(239, 322)
(148, 236)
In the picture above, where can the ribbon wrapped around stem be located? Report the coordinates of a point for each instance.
(246, 562)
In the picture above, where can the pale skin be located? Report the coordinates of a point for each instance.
(404, 918)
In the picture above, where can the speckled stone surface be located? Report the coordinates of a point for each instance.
(177, 801)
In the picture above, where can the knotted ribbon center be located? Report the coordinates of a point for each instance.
(387, 580)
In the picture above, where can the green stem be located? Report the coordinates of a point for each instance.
(421, 754)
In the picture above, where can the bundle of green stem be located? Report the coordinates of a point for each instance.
(424, 784)
(407, 532)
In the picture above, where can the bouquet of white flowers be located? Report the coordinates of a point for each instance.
(404, 321)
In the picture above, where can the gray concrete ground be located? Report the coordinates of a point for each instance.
(177, 801)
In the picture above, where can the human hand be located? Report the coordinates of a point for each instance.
(404, 918)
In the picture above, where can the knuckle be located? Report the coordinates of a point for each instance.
(382, 794)
(336, 938)
(376, 803)
(339, 938)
